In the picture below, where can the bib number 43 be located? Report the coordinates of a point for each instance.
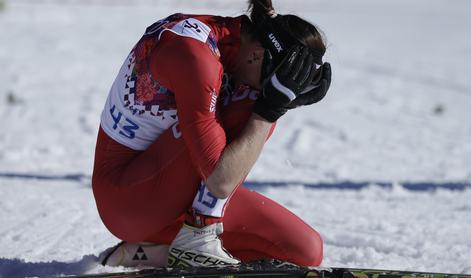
(125, 126)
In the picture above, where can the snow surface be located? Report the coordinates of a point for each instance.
(381, 167)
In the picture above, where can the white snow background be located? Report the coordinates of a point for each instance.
(381, 167)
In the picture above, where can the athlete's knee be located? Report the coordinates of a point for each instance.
(310, 252)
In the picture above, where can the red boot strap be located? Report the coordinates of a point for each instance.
(197, 220)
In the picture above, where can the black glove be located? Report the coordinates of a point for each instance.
(290, 79)
(314, 93)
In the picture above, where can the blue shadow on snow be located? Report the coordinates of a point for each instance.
(66, 177)
(347, 185)
(13, 268)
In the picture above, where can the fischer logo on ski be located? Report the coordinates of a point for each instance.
(200, 259)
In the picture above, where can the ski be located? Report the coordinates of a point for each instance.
(267, 269)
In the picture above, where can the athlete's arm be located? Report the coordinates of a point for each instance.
(239, 157)
(193, 73)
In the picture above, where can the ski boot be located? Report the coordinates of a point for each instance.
(135, 255)
(198, 244)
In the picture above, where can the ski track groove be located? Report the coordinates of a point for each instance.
(54, 239)
(293, 139)
(72, 228)
(51, 213)
(7, 228)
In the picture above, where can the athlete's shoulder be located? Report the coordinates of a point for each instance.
(196, 28)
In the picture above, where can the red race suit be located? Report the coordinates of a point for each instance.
(168, 117)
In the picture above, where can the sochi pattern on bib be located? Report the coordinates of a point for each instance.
(139, 108)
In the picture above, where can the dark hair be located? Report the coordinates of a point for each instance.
(306, 33)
